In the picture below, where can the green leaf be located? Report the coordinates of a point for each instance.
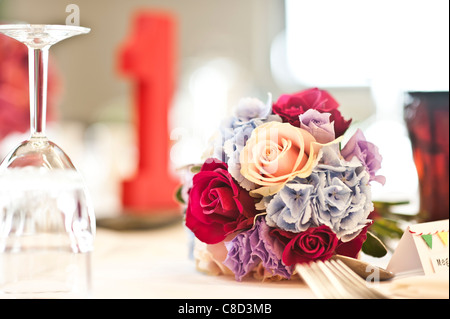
(195, 169)
(178, 196)
(392, 210)
(384, 227)
(373, 246)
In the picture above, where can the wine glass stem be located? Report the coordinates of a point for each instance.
(38, 72)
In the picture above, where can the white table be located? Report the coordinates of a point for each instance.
(149, 264)
(155, 264)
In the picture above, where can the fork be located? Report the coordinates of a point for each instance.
(332, 279)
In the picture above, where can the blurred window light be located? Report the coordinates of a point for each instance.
(351, 42)
(202, 107)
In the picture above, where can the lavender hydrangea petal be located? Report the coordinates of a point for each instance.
(336, 197)
(249, 113)
(329, 159)
(344, 201)
(250, 108)
(290, 209)
(234, 132)
(255, 246)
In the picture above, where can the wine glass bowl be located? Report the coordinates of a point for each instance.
(38, 152)
(47, 223)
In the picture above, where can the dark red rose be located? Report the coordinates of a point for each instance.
(316, 243)
(290, 106)
(353, 247)
(217, 205)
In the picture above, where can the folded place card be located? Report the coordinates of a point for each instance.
(423, 249)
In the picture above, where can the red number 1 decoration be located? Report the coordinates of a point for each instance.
(148, 57)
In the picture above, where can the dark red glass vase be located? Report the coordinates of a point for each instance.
(427, 120)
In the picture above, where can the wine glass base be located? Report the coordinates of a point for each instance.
(38, 36)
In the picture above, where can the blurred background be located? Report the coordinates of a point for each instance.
(367, 54)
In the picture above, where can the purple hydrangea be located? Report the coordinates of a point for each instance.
(235, 131)
(344, 198)
(366, 152)
(336, 194)
(252, 247)
(249, 113)
(251, 108)
(291, 209)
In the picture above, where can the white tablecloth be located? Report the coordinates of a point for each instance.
(156, 264)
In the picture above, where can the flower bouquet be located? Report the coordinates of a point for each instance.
(277, 188)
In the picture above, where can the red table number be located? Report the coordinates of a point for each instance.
(148, 58)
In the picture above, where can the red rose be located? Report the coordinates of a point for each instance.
(217, 205)
(316, 243)
(290, 106)
(353, 247)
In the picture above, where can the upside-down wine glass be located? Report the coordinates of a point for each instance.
(47, 224)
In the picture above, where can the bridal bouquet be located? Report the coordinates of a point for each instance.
(278, 188)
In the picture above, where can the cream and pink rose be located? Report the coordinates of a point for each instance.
(276, 153)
